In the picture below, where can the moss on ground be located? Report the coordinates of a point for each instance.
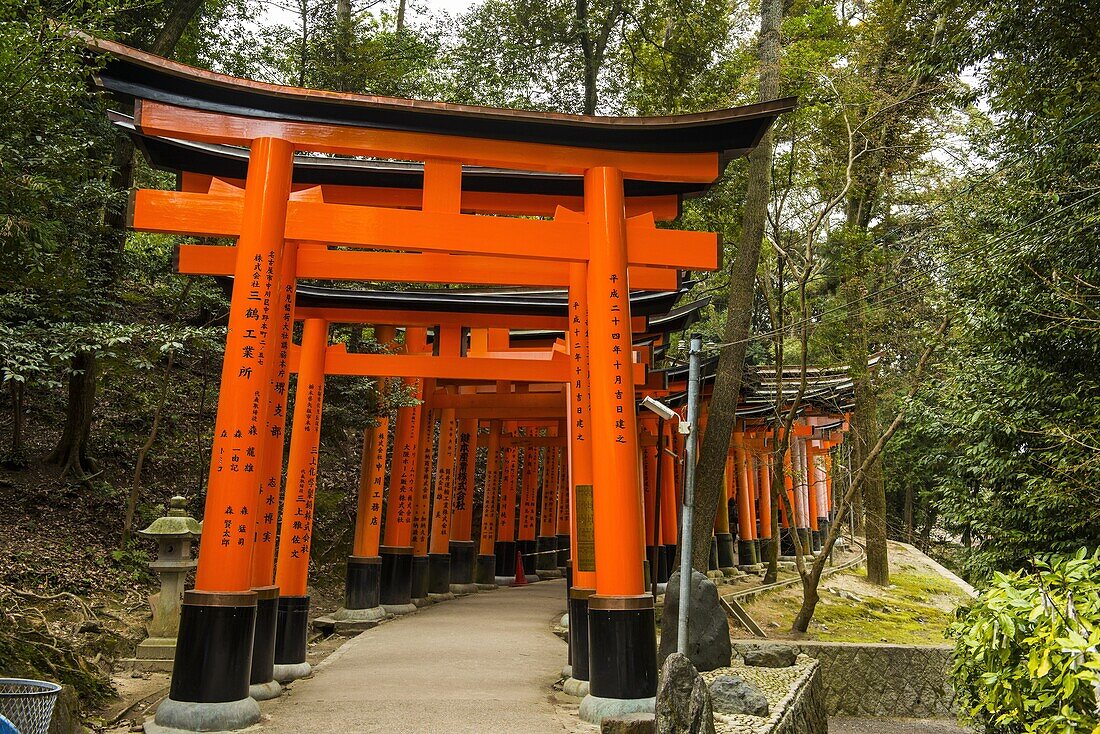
(915, 609)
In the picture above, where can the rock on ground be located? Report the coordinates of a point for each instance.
(683, 699)
(708, 626)
(770, 656)
(674, 686)
(700, 712)
(731, 694)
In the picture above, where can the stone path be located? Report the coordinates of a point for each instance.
(482, 663)
(843, 725)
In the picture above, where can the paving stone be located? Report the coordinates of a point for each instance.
(629, 724)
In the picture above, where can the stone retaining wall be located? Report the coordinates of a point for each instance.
(804, 710)
(795, 698)
(879, 680)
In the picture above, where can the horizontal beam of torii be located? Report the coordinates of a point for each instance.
(439, 318)
(552, 366)
(664, 208)
(564, 238)
(318, 263)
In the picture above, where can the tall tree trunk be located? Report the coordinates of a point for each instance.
(343, 43)
(71, 452)
(722, 413)
(591, 67)
(303, 48)
(926, 529)
(135, 486)
(400, 17)
(812, 577)
(865, 431)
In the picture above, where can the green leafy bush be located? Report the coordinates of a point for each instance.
(1026, 655)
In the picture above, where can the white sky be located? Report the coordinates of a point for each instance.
(274, 14)
(454, 7)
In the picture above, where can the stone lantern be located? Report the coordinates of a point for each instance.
(174, 534)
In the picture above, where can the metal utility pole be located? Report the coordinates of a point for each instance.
(688, 428)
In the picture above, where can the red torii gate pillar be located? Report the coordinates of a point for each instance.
(505, 546)
(621, 632)
(218, 617)
(581, 570)
(546, 546)
(670, 502)
(296, 528)
(363, 580)
(439, 554)
(262, 681)
(562, 525)
(746, 503)
(527, 509)
(462, 547)
(723, 538)
(396, 550)
(425, 460)
(485, 570)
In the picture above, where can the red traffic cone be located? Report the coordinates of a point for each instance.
(521, 575)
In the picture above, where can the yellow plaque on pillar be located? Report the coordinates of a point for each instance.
(586, 529)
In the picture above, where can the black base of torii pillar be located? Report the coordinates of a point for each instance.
(395, 586)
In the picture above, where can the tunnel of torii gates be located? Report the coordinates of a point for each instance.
(322, 186)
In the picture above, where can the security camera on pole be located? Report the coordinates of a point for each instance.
(687, 429)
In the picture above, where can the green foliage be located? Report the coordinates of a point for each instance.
(1026, 655)
(322, 48)
(53, 138)
(1005, 450)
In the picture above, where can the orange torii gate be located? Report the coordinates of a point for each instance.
(210, 682)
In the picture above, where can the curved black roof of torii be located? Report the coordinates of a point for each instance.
(226, 161)
(518, 303)
(828, 387)
(728, 132)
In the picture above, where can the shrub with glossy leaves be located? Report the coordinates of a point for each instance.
(1026, 651)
